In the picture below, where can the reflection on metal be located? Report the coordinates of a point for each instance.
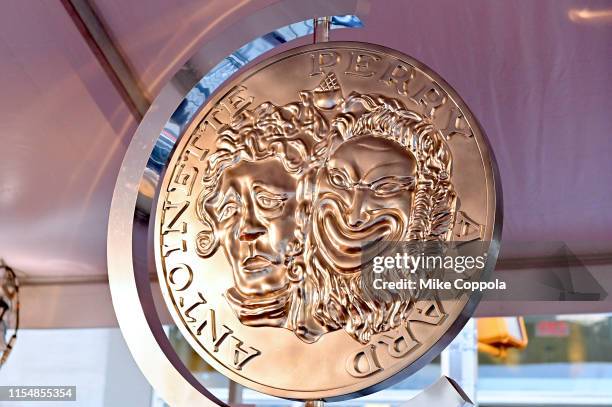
(92, 29)
(132, 296)
(9, 310)
(271, 193)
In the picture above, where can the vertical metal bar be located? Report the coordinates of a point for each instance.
(107, 54)
(235, 394)
(321, 29)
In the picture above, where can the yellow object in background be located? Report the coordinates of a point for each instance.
(497, 335)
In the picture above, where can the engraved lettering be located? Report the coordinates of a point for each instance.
(400, 75)
(238, 354)
(183, 179)
(363, 363)
(172, 242)
(400, 346)
(181, 277)
(212, 325)
(193, 149)
(172, 212)
(242, 355)
(466, 229)
(323, 60)
(189, 310)
(213, 121)
(456, 125)
(428, 311)
(431, 96)
(218, 341)
(235, 102)
(359, 64)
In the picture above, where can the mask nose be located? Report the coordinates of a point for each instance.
(251, 228)
(357, 215)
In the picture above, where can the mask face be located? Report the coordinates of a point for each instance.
(254, 218)
(364, 196)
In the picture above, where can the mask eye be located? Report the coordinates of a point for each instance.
(338, 179)
(387, 188)
(228, 210)
(268, 201)
(391, 186)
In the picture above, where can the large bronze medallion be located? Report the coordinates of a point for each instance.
(271, 193)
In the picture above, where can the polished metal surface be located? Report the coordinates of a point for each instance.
(271, 193)
(128, 276)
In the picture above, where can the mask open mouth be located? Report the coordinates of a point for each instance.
(347, 247)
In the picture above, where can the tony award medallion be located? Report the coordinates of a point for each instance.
(286, 184)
